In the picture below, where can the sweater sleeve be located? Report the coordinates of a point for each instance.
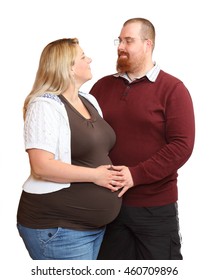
(179, 134)
(41, 129)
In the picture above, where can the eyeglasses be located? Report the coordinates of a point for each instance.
(126, 41)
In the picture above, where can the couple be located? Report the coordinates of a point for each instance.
(103, 182)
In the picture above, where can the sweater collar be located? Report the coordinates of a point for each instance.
(151, 75)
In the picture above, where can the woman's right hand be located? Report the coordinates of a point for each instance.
(108, 178)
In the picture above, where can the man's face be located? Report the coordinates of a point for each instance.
(131, 49)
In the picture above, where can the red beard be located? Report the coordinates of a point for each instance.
(123, 63)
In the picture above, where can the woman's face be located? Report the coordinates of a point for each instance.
(81, 68)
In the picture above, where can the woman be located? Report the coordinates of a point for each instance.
(71, 193)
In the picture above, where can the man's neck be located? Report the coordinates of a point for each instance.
(138, 74)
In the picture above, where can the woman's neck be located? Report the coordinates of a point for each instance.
(71, 94)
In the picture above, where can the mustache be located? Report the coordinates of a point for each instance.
(122, 53)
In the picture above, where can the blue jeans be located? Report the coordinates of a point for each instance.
(61, 244)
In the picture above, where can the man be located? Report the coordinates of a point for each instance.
(152, 115)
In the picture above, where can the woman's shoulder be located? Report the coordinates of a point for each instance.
(47, 103)
(50, 97)
(48, 100)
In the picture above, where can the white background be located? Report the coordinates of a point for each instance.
(181, 49)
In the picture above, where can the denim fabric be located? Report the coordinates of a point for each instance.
(61, 244)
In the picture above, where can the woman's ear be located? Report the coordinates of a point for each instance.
(72, 71)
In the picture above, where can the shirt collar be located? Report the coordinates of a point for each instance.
(151, 74)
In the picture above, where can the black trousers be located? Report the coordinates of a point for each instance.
(150, 233)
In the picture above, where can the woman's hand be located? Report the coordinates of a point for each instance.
(109, 178)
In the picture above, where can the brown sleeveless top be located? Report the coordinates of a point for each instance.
(82, 206)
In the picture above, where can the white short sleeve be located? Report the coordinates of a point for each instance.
(41, 129)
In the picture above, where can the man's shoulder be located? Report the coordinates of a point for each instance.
(107, 78)
(168, 77)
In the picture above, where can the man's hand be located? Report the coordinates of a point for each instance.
(127, 178)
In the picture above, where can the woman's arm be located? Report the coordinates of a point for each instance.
(45, 167)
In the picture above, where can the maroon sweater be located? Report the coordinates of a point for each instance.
(154, 126)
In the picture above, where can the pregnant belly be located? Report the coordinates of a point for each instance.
(89, 205)
(82, 206)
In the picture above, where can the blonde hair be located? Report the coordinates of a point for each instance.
(147, 30)
(53, 74)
